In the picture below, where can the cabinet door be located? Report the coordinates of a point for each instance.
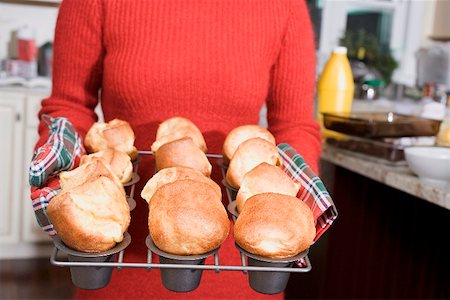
(31, 232)
(11, 137)
(33, 105)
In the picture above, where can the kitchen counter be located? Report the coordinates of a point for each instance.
(399, 177)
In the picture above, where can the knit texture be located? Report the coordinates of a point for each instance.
(214, 62)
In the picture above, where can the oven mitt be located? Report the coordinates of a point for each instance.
(313, 191)
(40, 198)
(61, 152)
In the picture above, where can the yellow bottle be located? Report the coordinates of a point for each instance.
(335, 88)
(443, 136)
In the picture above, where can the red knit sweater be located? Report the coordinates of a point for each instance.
(214, 62)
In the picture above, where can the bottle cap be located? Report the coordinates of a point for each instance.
(340, 50)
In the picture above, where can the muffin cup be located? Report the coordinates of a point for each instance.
(179, 280)
(91, 278)
(268, 282)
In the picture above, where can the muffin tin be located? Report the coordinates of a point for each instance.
(269, 282)
(266, 282)
(179, 280)
(178, 273)
(84, 274)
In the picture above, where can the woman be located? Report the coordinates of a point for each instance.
(213, 62)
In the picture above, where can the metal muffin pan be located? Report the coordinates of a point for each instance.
(119, 264)
(265, 282)
(90, 277)
(83, 264)
(269, 282)
(179, 280)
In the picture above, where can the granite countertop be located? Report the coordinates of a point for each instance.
(399, 177)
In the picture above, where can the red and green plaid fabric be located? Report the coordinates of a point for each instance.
(40, 198)
(313, 193)
(61, 152)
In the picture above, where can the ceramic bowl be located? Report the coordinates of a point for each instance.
(431, 164)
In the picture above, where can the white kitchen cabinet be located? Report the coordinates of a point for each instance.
(11, 162)
(20, 235)
(31, 232)
(33, 105)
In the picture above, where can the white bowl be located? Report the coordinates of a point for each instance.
(431, 164)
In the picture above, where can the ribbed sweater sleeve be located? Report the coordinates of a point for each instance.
(77, 71)
(290, 101)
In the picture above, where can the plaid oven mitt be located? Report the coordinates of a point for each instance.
(61, 152)
(313, 191)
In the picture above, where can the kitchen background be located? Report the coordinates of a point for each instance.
(40, 20)
(399, 51)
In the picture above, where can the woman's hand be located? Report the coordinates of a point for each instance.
(61, 152)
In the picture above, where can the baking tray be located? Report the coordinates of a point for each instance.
(375, 148)
(247, 266)
(387, 150)
(379, 124)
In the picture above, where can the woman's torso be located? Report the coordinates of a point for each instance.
(209, 61)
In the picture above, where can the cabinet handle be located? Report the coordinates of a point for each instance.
(18, 117)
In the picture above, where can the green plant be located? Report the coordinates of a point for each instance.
(364, 46)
